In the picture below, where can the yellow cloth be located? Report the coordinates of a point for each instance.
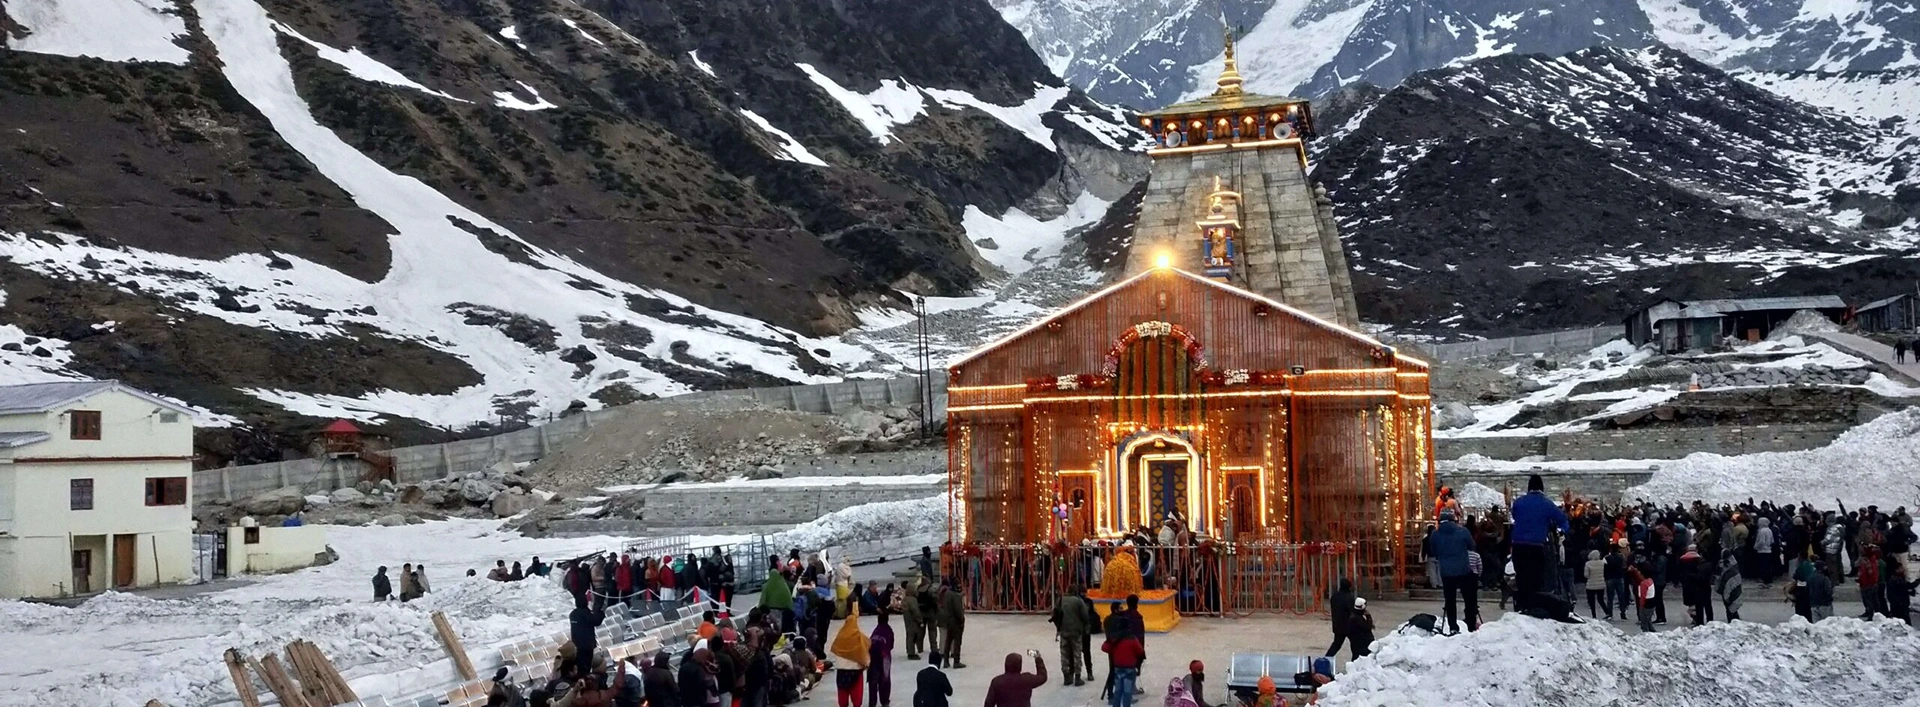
(850, 644)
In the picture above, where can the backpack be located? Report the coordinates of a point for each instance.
(896, 603)
(1424, 622)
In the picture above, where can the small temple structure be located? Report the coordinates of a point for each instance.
(1220, 388)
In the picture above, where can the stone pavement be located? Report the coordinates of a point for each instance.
(1880, 354)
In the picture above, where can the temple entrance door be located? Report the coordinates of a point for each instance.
(1167, 488)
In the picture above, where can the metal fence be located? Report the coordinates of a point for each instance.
(1550, 342)
(1230, 579)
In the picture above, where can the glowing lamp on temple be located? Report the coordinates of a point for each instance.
(1162, 260)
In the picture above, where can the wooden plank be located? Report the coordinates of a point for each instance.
(452, 641)
(338, 689)
(312, 686)
(276, 678)
(242, 685)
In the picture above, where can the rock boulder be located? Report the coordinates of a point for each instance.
(279, 502)
(512, 502)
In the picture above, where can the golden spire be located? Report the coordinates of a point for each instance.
(1229, 80)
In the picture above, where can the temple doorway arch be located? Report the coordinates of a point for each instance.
(1160, 473)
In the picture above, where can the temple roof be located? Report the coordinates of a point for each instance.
(1224, 103)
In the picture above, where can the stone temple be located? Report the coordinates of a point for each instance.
(1229, 198)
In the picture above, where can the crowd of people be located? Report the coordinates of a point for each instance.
(1546, 557)
(413, 583)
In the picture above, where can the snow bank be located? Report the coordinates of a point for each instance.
(1476, 497)
(872, 521)
(1523, 662)
(1805, 321)
(1015, 241)
(361, 66)
(1870, 464)
(115, 30)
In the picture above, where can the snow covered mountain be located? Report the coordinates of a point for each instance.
(1528, 192)
(1312, 47)
(449, 215)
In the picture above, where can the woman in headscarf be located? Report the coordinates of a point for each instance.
(880, 664)
(852, 648)
(1178, 696)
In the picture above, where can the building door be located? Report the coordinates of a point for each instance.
(1167, 489)
(82, 571)
(125, 549)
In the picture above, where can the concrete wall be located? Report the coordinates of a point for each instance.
(1666, 443)
(1602, 485)
(904, 463)
(694, 507)
(1550, 342)
(277, 549)
(419, 463)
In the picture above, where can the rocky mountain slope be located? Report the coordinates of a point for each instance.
(1525, 192)
(462, 214)
(1311, 47)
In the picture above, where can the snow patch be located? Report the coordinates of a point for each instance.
(509, 99)
(701, 65)
(1016, 241)
(897, 102)
(575, 26)
(789, 148)
(360, 65)
(114, 30)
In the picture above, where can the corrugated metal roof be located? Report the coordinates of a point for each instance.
(1876, 304)
(1728, 306)
(10, 440)
(40, 397)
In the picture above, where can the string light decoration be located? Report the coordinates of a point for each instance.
(1321, 433)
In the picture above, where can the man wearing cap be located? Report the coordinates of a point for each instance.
(1451, 543)
(1534, 516)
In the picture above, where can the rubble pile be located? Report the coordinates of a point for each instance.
(499, 491)
(713, 440)
(1726, 376)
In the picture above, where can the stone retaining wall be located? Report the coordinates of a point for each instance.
(1601, 485)
(1655, 443)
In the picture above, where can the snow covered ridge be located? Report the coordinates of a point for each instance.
(434, 262)
(1872, 464)
(1839, 661)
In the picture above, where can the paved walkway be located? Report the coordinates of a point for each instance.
(1880, 354)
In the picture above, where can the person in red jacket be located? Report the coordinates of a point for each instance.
(1125, 655)
(623, 577)
(1014, 688)
(667, 580)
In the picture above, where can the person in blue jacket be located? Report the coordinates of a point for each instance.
(1451, 543)
(1534, 517)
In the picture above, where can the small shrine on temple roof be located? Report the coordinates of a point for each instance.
(1231, 115)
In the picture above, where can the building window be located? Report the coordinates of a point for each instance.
(167, 491)
(250, 536)
(80, 494)
(83, 424)
(169, 417)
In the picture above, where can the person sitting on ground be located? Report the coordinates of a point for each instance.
(1178, 695)
(382, 587)
(499, 571)
(1195, 682)
(515, 575)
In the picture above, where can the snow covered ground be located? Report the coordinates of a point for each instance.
(1874, 463)
(1523, 662)
(121, 649)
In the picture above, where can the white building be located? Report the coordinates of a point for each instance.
(96, 485)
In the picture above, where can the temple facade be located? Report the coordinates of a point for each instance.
(1229, 198)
